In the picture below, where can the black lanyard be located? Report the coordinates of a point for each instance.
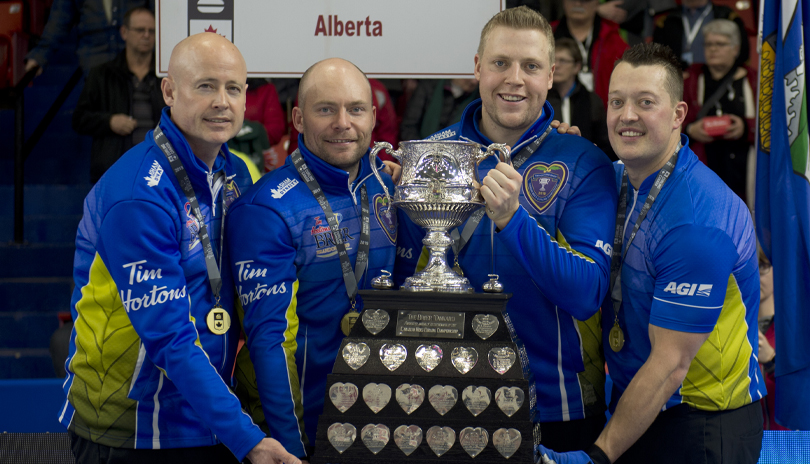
(212, 265)
(349, 278)
(617, 258)
(461, 239)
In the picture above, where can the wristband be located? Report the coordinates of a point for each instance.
(597, 455)
(770, 366)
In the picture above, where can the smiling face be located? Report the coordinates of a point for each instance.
(515, 75)
(205, 89)
(335, 114)
(643, 121)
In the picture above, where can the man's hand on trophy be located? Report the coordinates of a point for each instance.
(394, 170)
(501, 190)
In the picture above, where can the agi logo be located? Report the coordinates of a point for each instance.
(689, 289)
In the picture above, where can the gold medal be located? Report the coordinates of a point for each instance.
(218, 320)
(616, 337)
(348, 321)
(457, 267)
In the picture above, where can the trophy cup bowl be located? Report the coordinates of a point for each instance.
(439, 190)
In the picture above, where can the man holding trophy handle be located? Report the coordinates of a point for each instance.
(302, 242)
(553, 210)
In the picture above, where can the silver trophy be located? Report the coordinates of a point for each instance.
(439, 190)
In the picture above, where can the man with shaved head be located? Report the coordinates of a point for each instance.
(302, 242)
(153, 347)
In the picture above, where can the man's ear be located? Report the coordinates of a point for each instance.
(477, 69)
(167, 86)
(680, 114)
(298, 119)
(123, 31)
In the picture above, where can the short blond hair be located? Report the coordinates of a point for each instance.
(520, 18)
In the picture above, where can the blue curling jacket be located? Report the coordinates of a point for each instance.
(289, 281)
(144, 370)
(553, 257)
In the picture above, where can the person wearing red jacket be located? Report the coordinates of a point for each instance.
(263, 106)
(599, 43)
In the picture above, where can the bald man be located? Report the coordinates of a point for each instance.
(286, 237)
(154, 342)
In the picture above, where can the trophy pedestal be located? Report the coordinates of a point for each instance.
(430, 378)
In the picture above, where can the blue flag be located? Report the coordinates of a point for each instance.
(783, 198)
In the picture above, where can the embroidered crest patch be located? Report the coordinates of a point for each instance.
(386, 216)
(542, 183)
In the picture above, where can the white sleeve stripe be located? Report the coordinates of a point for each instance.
(690, 306)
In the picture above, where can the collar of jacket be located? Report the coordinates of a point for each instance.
(471, 119)
(121, 66)
(197, 170)
(332, 179)
(685, 157)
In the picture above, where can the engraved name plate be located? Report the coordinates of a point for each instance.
(410, 397)
(375, 437)
(484, 325)
(506, 441)
(430, 324)
(356, 354)
(408, 438)
(464, 358)
(473, 440)
(376, 396)
(440, 439)
(443, 398)
(509, 399)
(428, 356)
(375, 321)
(393, 355)
(501, 358)
(341, 436)
(476, 399)
(343, 395)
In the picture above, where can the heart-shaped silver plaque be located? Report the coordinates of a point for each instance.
(410, 397)
(476, 399)
(464, 358)
(343, 395)
(506, 441)
(376, 320)
(443, 398)
(473, 440)
(408, 438)
(484, 325)
(341, 436)
(428, 356)
(509, 399)
(393, 355)
(440, 439)
(356, 354)
(376, 396)
(375, 437)
(501, 358)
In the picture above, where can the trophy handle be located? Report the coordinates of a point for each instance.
(372, 157)
(501, 149)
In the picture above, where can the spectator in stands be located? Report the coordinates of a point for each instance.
(436, 103)
(767, 342)
(98, 23)
(680, 30)
(634, 17)
(121, 100)
(722, 88)
(572, 102)
(598, 41)
(155, 338)
(263, 107)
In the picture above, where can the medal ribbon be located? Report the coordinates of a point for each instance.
(349, 279)
(212, 265)
(461, 239)
(617, 258)
(691, 32)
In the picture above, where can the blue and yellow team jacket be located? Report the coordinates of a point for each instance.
(553, 257)
(692, 268)
(289, 280)
(144, 370)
